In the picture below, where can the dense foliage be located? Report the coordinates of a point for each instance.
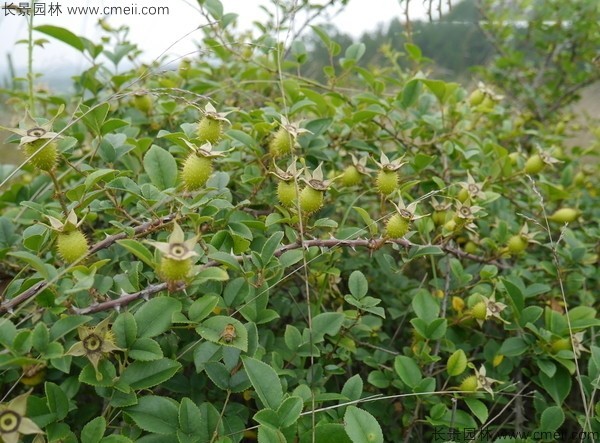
(233, 250)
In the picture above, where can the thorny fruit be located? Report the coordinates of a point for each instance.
(479, 310)
(396, 226)
(46, 158)
(469, 384)
(72, 245)
(196, 171)
(387, 181)
(311, 199)
(286, 193)
(281, 144)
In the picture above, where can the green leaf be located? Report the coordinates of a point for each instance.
(326, 433)
(212, 273)
(58, 403)
(190, 419)
(478, 408)
(408, 370)
(265, 381)
(213, 329)
(202, 307)
(513, 347)
(160, 167)
(552, 419)
(215, 8)
(353, 388)
(106, 371)
(361, 426)
(557, 386)
(371, 225)
(125, 329)
(358, 285)
(457, 363)
(93, 431)
(40, 337)
(289, 411)
(425, 305)
(155, 414)
(66, 324)
(36, 263)
(267, 434)
(516, 295)
(355, 51)
(410, 93)
(143, 375)
(139, 250)
(62, 34)
(326, 323)
(270, 247)
(145, 349)
(155, 316)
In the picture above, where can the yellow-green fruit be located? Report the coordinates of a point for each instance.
(351, 176)
(534, 164)
(565, 215)
(579, 179)
(286, 193)
(517, 244)
(562, 344)
(439, 217)
(311, 200)
(470, 247)
(476, 97)
(387, 181)
(72, 245)
(174, 270)
(143, 103)
(46, 158)
(479, 310)
(514, 158)
(450, 225)
(463, 194)
(487, 102)
(196, 171)
(469, 384)
(281, 143)
(209, 130)
(396, 226)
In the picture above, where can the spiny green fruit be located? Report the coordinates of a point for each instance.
(534, 164)
(209, 130)
(469, 384)
(396, 226)
(562, 344)
(281, 143)
(286, 193)
(517, 244)
(311, 200)
(46, 158)
(565, 215)
(72, 245)
(387, 181)
(143, 102)
(196, 171)
(351, 176)
(479, 310)
(172, 270)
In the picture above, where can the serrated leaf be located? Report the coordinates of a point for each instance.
(93, 431)
(155, 316)
(161, 167)
(361, 426)
(155, 414)
(408, 370)
(358, 285)
(143, 375)
(265, 381)
(457, 363)
(62, 34)
(139, 250)
(145, 349)
(213, 330)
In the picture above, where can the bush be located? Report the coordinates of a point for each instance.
(233, 251)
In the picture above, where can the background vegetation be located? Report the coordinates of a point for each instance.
(364, 250)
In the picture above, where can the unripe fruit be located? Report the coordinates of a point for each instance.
(450, 225)
(514, 157)
(564, 215)
(46, 158)
(487, 103)
(72, 245)
(463, 195)
(562, 344)
(470, 247)
(387, 181)
(209, 130)
(174, 270)
(143, 102)
(579, 179)
(534, 164)
(396, 226)
(469, 384)
(196, 171)
(479, 310)
(351, 176)
(311, 200)
(281, 143)
(517, 244)
(286, 193)
(476, 97)
(439, 217)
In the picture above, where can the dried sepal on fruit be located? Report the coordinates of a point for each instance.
(313, 194)
(14, 422)
(287, 187)
(517, 243)
(353, 174)
(38, 141)
(398, 224)
(538, 161)
(198, 167)
(176, 256)
(387, 177)
(484, 97)
(284, 139)
(470, 189)
(210, 126)
(71, 243)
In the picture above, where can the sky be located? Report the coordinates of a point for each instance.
(174, 33)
